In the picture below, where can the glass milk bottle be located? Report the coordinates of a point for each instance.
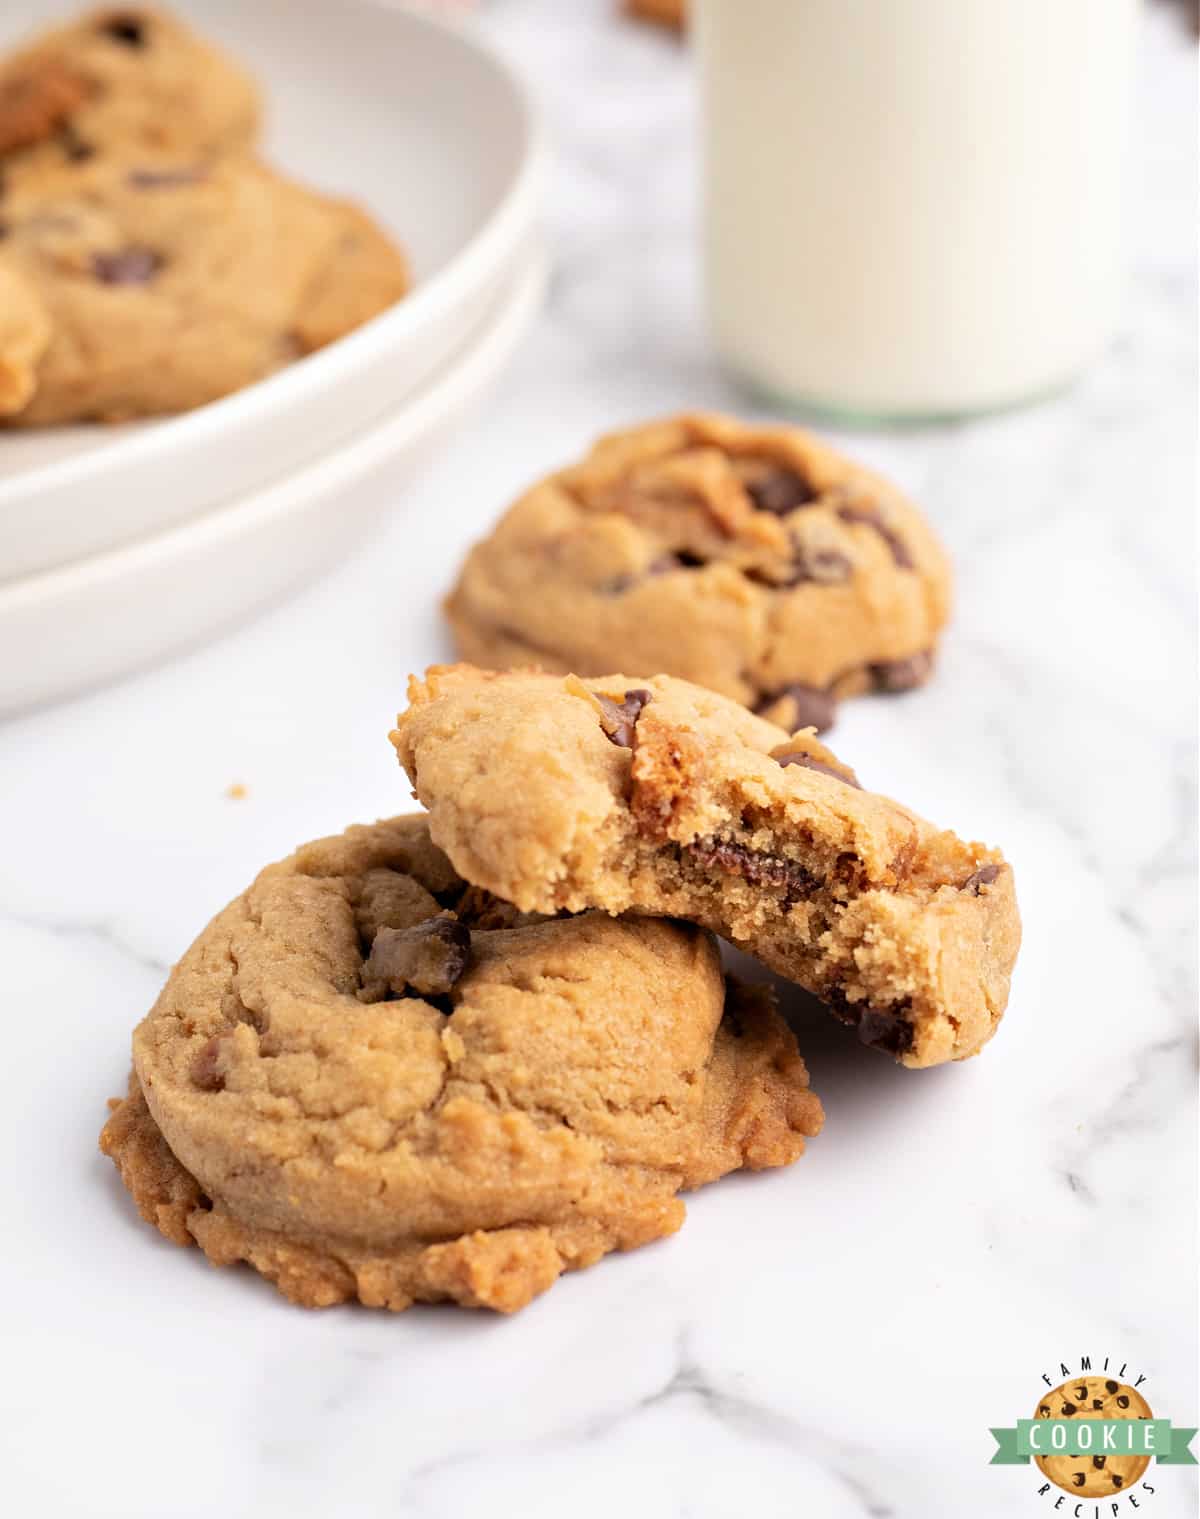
(913, 207)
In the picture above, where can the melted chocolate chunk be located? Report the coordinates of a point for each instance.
(204, 1072)
(427, 959)
(127, 28)
(128, 266)
(814, 708)
(619, 722)
(975, 883)
(165, 179)
(767, 870)
(885, 1031)
(799, 757)
(780, 490)
(868, 517)
(902, 674)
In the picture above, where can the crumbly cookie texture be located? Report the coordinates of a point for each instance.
(752, 560)
(1101, 1475)
(656, 796)
(165, 283)
(128, 79)
(369, 1079)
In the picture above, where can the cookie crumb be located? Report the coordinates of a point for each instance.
(236, 792)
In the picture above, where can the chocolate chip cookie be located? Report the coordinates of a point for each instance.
(656, 796)
(121, 80)
(752, 560)
(164, 282)
(1100, 1474)
(369, 1079)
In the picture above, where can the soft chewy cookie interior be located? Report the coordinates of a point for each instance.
(658, 796)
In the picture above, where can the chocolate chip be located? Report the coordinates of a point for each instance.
(867, 516)
(1098, 1461)
(619, 722)
(1097, 1402)
(1115, 1480)
(812, 707)
(1081, 1393)
(902, 674)
(204, 1072)
(1079, 1479)
(126, 28)
(885, 1031)
(769, 870)
(1111, 1386)
(128, 266)
(780, 490)
(1068, 1409)
(164, 179)
(428, 959)
(1044, 1410)
(1122, 1401)
(799, 757)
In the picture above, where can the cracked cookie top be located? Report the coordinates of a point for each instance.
(756, 561)
(123, 79)
(364, 1058)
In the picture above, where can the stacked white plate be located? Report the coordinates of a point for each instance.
(121, 544)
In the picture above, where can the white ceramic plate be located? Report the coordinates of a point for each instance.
(412, 117)
(75, 627)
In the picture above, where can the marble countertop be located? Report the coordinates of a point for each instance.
(833, 1340)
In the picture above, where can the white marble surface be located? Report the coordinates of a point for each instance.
(809, 1335)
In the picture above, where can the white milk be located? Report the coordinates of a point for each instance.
(913, 207)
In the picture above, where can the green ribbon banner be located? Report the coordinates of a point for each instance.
(1168, 1444)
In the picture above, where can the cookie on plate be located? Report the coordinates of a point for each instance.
(1098, 1474)
(368, 1079)
(752, 560)
(652, 795)
(165, 283)
(122, 80)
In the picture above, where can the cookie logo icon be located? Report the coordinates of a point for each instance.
(1094, 1436)
(1101, 1472)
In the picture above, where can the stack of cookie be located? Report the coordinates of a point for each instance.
(148, 262)
(454, 1055)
